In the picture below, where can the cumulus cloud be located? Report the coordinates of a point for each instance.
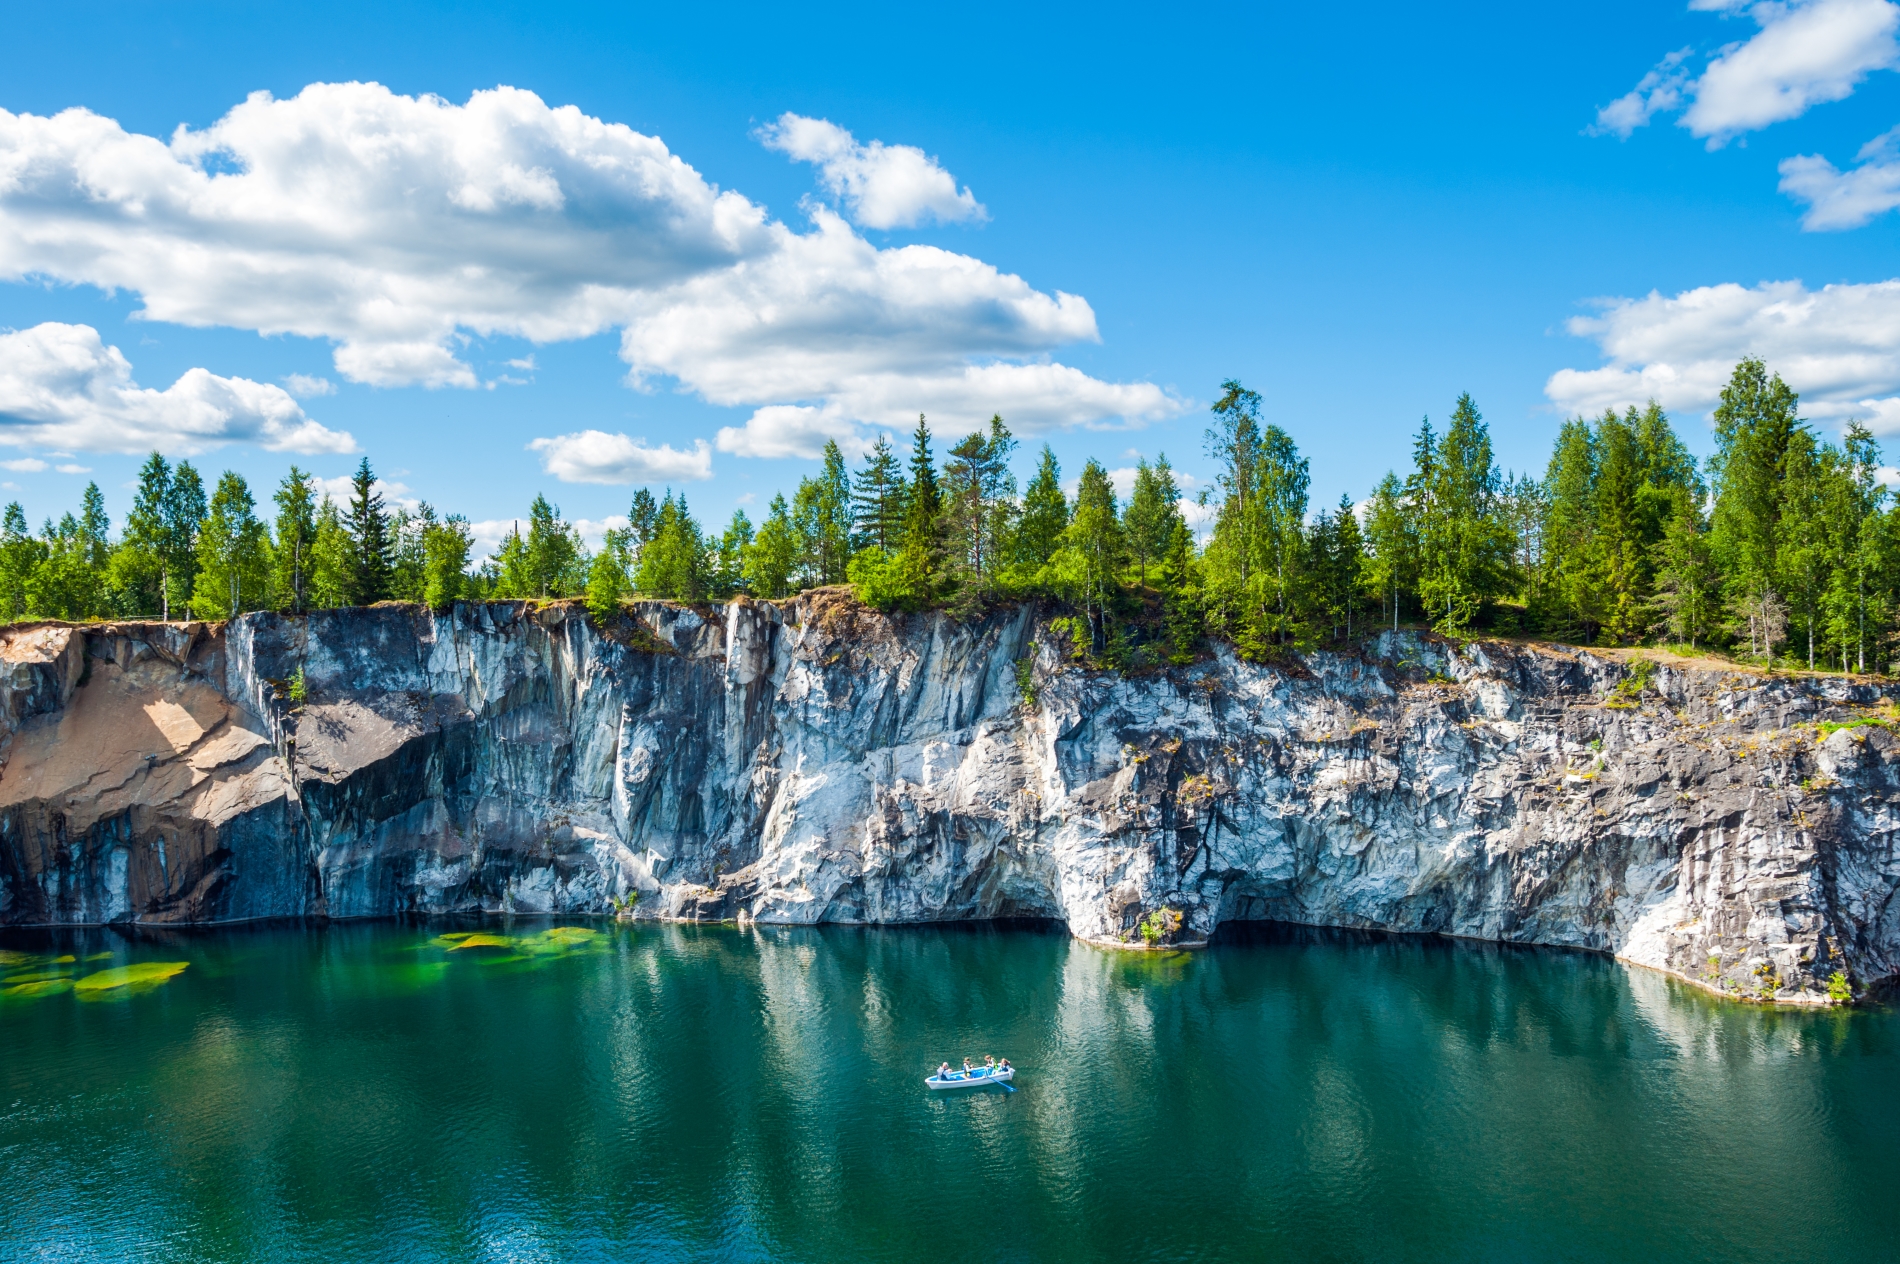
(1846, 199)
(304, 386)
(25, 465)
(1807, 53)
(60, 385)
(397, 227)
(1839, 346)
(594, 456)
(883, 186)
(1660, 91)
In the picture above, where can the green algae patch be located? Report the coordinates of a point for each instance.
(483, 941)
(98, 956)
(42, 987)
(570, 934)
(139, 977)
(36, 977)
(9, 959)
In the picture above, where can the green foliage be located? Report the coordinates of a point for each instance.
(773, 555)
(299, 691)
(878, 500)
(372, 549)
(1088, 565)
(674, 563)
(1026, 680)
(233, 554)
(296, 502)
(1161, 924)
(1839, 989)
(821, 521)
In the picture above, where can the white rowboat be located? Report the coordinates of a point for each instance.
(975, 1079)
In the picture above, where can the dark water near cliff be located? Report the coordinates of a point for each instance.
(373, 1093)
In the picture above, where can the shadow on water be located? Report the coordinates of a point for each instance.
(530, 1089)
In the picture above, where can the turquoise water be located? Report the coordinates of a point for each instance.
(660, 1093)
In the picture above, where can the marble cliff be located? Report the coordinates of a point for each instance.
(813, 761)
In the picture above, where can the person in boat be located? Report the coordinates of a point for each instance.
(967, 1067)
(989, 1063)
(943, 1072)
(1002, 1067)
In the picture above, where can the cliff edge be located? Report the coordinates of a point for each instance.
(813, 761)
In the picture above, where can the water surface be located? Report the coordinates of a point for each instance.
(384, 1092)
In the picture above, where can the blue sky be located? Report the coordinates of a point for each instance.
(1359, 212)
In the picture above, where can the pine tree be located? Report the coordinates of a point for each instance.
(373, 552)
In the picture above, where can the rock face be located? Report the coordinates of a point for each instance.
(814, 761)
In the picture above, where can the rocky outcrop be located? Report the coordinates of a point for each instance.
(815, 761)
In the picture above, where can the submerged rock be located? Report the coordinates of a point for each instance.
(815, 761)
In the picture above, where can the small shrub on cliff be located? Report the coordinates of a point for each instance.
(1159, 925)
(1026, 679)
(1839, 990)
(298, 690)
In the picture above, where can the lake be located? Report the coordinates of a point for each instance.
(523, 1091)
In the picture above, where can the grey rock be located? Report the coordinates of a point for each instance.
(812, 761)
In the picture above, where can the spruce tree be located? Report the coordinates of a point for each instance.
(878, 501)
(1045, 516)
(373, 552)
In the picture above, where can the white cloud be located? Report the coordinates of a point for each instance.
(398, 227)
(594, 456)
(340, 489)
(594, 530)
(25, 465)
(882, 186)
(486, 536)
(1807, 53)
(1659, 91)
(1848, 199)
(304, 386)
(525, 364)
(1839, 346)
(60, 384)
(74, 469)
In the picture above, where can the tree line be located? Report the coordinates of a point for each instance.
(1780, 545)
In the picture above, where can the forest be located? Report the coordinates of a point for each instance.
(1779, 549)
